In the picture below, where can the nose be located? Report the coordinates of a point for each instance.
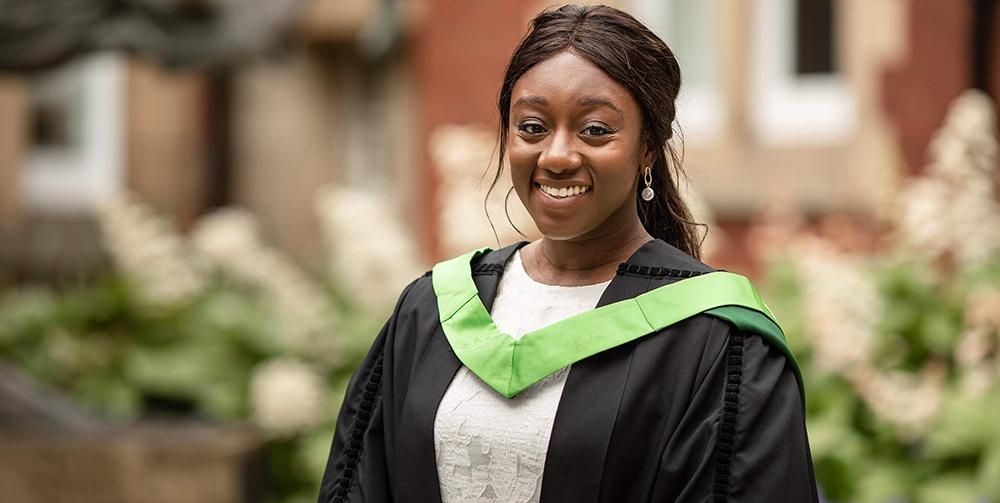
(560, 154)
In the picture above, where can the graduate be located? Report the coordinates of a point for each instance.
(601, 363)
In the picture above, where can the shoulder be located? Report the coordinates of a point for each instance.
(720, 333)
(417, 295)
(708, 355)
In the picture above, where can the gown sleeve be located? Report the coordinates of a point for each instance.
(757, 450)
(769, 458)
(357, 468)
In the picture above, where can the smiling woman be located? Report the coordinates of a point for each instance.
(601, 363)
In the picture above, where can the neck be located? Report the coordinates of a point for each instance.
(582, 261)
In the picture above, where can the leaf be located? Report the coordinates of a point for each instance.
(883, 482)
(989, 471)
(209, 373)
(950, 488)
(314, 450)
(783, 292)
(964, 426)
(110, 394)
(939, 330)
(835, 449)
(25, 314)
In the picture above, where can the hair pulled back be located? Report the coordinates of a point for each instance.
(637, 59)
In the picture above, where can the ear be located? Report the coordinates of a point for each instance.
(648, 156)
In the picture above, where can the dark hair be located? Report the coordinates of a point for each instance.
(637, 59)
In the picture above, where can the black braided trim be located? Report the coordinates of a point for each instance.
(487, 269)
(727, 425)
(655, 272)
(352, 451)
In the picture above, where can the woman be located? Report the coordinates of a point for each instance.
(496, 379)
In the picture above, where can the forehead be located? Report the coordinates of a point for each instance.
(566, 79)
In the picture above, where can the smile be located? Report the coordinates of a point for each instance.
(563, 192)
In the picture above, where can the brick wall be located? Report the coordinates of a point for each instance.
(937, 67)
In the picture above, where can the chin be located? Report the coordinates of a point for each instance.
(559, 237)
(558, 232)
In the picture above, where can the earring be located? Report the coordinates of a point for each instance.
(647, 176)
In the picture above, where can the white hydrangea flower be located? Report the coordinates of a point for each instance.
(974, 346)
(954, 208)
(908, 401)
(975, 216)
(462, 153)
(978, 348)
(983, 308)
(148, 251)
(369, 248)
(921, 222)
(229, 240)
(225, 233)
(287, 396)
(966, 143)
(977, 379)
(842, 306)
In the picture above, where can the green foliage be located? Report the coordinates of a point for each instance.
(128, 359)
(863, 457)
(965, 426)
(923, 315)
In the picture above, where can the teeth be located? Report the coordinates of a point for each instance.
(564, 191)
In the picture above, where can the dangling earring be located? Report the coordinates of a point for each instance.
(647, 193)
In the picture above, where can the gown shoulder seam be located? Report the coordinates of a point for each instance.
(642, 271)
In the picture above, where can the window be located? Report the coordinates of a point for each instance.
(689, 28)
(815, 44)
(799, 96)
(76, 150)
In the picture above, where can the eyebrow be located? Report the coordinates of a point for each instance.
(530, 100)
(586, 101)
(590, 101)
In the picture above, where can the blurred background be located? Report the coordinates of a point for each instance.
(207, 208)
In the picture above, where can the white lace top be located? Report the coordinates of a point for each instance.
(490, 448)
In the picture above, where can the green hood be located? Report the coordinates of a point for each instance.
(511, 365)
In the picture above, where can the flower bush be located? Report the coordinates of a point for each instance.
(901, 349)
(214, 326)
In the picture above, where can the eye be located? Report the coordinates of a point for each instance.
(530, 128)
(597, 130)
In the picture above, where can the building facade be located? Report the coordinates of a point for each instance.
(817, 105)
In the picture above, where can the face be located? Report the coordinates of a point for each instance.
(575, 148)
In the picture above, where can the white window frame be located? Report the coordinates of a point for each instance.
(790, 109)
(74, 180)
(701, 107)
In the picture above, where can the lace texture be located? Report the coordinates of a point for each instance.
(490, 448)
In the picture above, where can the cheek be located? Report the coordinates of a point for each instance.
(619, 169)
(619, 189)
(522, 163)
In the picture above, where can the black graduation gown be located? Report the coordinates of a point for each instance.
(699, 411)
